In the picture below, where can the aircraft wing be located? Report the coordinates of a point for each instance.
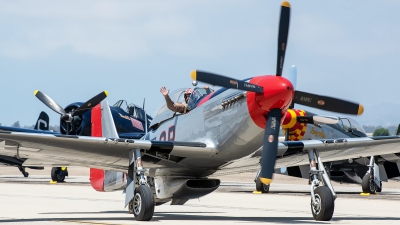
(294, 153)
(95, 152)
(113, 153)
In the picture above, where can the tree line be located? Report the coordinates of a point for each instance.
(380, 130)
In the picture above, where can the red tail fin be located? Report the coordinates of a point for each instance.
(97, 175)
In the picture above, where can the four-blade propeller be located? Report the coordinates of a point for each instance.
(274, 115)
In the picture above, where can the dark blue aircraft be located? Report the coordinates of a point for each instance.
(130, 120)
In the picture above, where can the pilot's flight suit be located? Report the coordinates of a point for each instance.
(175, 106)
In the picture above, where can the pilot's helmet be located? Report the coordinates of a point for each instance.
(188, 92)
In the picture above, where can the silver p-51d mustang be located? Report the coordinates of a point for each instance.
(233, 129)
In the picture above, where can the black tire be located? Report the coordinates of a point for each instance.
(57, 174)
(323, 211)
(143, 203)
(368, 185)
(264, 188)
(26, 174)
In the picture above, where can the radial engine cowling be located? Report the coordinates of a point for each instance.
(184, 188)
(80, 125)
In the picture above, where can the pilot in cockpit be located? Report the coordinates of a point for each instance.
(180, 107)
(191, 99)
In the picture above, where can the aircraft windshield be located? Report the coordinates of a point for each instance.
(355, 125)
(348, 124)
(197, 94)
(133, 110)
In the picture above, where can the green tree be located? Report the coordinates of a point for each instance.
(381, 132)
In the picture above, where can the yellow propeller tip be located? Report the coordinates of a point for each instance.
(286, 4)
(265, 180)
(106, 93)
(360, 110)
(35, 92)
(193, 74)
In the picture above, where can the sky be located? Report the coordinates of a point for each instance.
(73, 50)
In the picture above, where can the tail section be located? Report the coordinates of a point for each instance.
(43, 122)
(103, 126)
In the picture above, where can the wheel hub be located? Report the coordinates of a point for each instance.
(317, 204)
(372, 185)
(137, 203)
(60, 175)
(266, 187)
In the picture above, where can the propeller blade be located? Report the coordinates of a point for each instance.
(270, 145)
(223, 81)
(90, 104)
(318, 119)
(327, 103)
(283, 36)
(49, 102)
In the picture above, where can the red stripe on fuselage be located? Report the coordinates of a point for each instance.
(96, 175)
(205, 99)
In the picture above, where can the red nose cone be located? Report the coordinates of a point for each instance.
(278, 94)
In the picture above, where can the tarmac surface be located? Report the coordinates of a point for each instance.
(34, 200)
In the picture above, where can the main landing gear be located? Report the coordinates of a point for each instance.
(322, 197)
(371, 181)
(260, 187)
(139, 196)
(58, 174)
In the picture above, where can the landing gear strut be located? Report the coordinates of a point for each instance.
(322, 197)
(371, 182)
(139, 196)
(261, 187)
(22, 169)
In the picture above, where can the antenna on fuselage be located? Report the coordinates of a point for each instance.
(145, 116)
